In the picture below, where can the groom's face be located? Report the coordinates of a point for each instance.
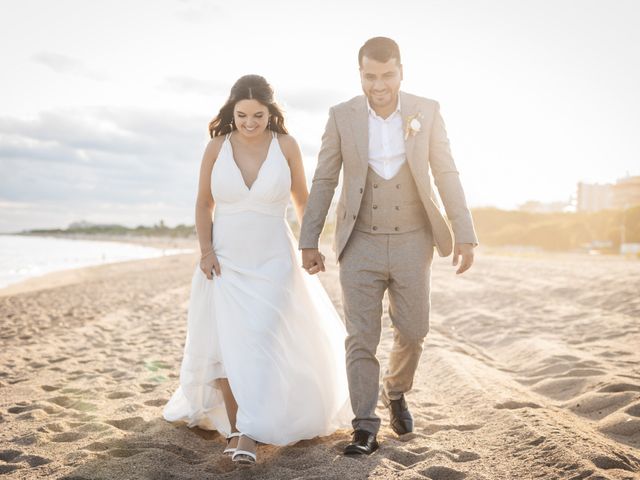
(381, 82)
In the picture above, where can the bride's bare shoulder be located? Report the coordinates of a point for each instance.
(288, 144)
(212, 149)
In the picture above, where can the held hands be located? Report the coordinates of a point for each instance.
(312, 260)
(466, 250)
(208, 263)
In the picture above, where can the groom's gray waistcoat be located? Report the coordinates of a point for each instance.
(391, 206)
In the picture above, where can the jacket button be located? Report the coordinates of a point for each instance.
(398, 185)
(354, 217)
(396, 229)
(397, 207)
(374, 227)
(375, 206)
(375, 185)
(361, 190)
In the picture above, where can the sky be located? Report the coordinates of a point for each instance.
(104, 105)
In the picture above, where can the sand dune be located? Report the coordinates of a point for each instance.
(531, 370)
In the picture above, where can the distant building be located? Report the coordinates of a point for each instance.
(593, 197)
(626, 192)
(630, 249)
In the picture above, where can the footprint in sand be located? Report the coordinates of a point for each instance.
(14, 459)
(94, 427)
(68, 437)
(53, 427)
(49, 388)
(9, 455)
(36, 414)
(609, 463)
(620, 387)
(123, 452)
(620, 424)
(147, 387)
(437, 472)
(120, 448)
(599, 405)
(120, 394)
(8, 468)
(68, 402)
(132, 424)
(634, 410)
(24, 407)
(406, 458)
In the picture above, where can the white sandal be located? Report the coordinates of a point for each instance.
(244, 457)
(229, 450)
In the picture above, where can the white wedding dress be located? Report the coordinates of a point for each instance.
(264, 323)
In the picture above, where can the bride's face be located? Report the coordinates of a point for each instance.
(251, 117)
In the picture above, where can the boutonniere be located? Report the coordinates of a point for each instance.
(412, 125)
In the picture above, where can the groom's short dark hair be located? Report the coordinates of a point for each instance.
(380, 49)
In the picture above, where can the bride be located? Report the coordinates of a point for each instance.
(264, 354)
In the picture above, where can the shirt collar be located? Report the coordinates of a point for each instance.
(372, 112)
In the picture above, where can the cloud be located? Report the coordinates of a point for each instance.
(311, 100)
(106, 130)
(199, 11)
(67, 65)
(191, 85)
(123, 157)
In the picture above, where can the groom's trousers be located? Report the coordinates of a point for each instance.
(370, 265)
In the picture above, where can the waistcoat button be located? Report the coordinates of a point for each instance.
(374, 227)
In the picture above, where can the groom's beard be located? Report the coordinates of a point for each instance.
(386, 100)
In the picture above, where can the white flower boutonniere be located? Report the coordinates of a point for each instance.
(413, 125)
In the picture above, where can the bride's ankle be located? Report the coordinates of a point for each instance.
(246, 442)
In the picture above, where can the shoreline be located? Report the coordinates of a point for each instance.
(73, 275)
(155, 241)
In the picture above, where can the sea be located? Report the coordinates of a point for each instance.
(23, 257)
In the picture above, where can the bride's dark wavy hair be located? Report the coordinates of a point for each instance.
(248, 87)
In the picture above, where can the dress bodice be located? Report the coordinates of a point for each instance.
(269, 193)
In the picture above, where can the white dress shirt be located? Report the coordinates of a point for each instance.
(386, 142)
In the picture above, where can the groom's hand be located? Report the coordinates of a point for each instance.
(312, 260)
(466, 251)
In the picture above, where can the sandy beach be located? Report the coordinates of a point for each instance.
(531, 370)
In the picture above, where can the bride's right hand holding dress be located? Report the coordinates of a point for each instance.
(209, 264)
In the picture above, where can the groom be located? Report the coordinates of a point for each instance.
(388, 144)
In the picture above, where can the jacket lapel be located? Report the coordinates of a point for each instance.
(408, 109)
(360, 127)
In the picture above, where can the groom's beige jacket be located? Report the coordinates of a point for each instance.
(345, 145)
